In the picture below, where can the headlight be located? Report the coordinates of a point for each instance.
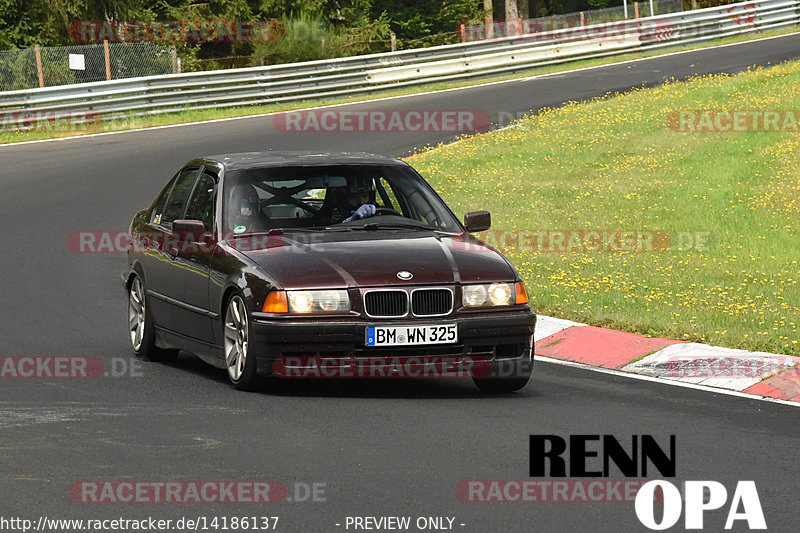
(325, 301)
(492, 294)
(500, 293)
(474, 295)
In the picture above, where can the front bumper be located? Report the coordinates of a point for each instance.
(290, 347)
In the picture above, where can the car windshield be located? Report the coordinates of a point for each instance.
(331, 198)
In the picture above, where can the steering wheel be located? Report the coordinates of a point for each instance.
(386, 211)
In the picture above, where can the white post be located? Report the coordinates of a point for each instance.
(625, 5)
(651, 8)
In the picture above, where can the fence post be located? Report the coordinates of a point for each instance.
(39, 64)
(636, 10)
(582, 23)
(393, 38)
(463, 32)
(175, 68)
(108, 59)
(651, 8)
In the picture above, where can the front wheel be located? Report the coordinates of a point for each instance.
(241, 364)
(506, 376)
(141, 328)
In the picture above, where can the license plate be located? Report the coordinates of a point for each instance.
(411, 335)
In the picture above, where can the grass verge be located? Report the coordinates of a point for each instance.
(190, 115)
(721, 208)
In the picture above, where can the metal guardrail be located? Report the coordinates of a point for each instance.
(378, 72)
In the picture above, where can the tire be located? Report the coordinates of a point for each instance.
(506, 376)
(142, 332)
(239, 362)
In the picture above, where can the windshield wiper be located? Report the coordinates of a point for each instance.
(277, 231)
(372, 226)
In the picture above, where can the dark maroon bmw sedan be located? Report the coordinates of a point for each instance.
(296, 264)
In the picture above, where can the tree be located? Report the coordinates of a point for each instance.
(512, 13)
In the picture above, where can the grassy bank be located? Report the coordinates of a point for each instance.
(614, 164)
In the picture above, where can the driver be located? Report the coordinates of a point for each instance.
(243, 209)
(360, 200)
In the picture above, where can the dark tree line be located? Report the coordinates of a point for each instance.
(344, 26)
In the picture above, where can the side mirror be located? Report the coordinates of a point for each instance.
(476, 221)
(195, 227)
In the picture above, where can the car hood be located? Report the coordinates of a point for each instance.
(369, 259)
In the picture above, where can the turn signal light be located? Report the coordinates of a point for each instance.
(520, 296)
(276, 303)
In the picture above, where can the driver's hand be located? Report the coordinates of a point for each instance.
(365, 211)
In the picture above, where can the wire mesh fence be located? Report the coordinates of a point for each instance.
(477, 30)
(66, 65)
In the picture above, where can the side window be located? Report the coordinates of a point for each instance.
(391, 199)
(178, 196)
(201, 204)
(158, 207)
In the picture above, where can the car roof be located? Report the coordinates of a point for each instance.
(247, 160)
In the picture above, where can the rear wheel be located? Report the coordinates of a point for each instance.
(506, 376)
(141, 328)
(240, 363)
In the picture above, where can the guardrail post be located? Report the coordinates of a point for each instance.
(38, 53)
(108, 59)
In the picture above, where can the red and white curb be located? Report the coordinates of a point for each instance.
(759, 374)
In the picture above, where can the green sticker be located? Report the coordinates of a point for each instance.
(239, 229)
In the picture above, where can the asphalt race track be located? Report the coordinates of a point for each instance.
(380, 448)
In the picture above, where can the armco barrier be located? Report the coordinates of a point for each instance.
(378, 72)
